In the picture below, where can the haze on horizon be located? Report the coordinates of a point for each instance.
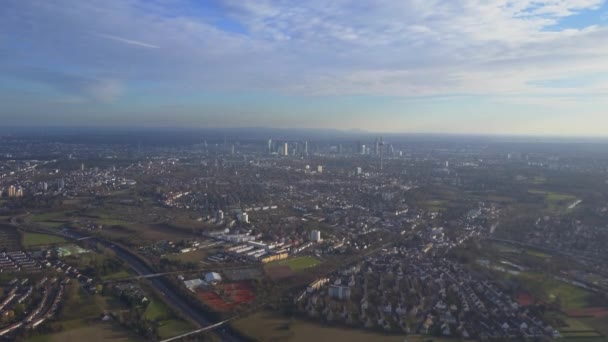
(438, 66)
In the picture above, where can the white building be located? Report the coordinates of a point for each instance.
(219, 216)
(286, 149)
(243, 217)
(315, 236)
(193, 283)
(358, 170)
(320, 169)
(213, 277)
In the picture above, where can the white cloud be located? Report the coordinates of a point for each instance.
(385, 47)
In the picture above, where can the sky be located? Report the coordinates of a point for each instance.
(523, 67)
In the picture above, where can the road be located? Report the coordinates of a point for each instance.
(161, 284)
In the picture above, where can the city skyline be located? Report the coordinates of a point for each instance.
(490, 67)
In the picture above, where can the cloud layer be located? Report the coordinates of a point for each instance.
(117, 55)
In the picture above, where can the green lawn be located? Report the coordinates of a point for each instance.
(173, 327)
(297, 264)
(156, 310)
(116, 275)
(37, 239)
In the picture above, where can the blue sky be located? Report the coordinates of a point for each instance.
(453, 66)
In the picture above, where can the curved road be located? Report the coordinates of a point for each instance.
(161, 285)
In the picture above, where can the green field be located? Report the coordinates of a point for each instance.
(79, 305)
(556, 202)
(155, 310)
(46, 216)
(37, 239)
(553, 290)
(267, 326)
(167, 326)
(297, 264)
(193, 256)
(575, 325)
(96, 332)
(173, 327)
(116, 275)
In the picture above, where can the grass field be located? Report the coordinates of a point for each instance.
(155, 310)
(173, 327)
(552, 290)
(556, 202)
(266, 326)
(297, 264)
(167, 326)
(575, 325)
(49, 216)
(434, 205)
(80, 305)
(96, 332)
(116, 275)
(37, 239)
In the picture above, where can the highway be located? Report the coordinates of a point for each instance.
(174, 300)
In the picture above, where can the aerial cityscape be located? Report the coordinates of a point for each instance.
(230, 238)
(272, 170)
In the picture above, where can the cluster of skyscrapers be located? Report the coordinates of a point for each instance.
(288, 148)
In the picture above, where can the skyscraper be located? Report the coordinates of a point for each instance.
(381, 145)
(306, 147)
(219, 217)
(270, 146)
(286, 149)
(377, 147)
(12, 191)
